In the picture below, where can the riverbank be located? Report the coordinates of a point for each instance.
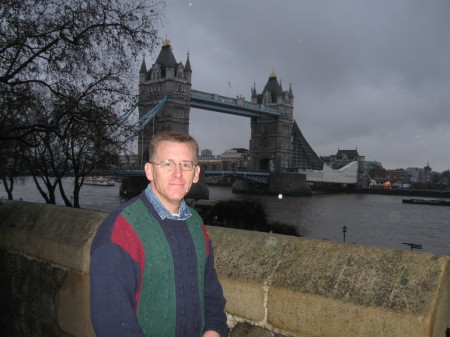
(409, 192)
(371, 219)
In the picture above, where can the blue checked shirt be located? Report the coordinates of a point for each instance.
(163, 212)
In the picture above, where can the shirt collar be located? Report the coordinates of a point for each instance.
(163, 212)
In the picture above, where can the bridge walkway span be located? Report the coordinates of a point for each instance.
(345, 175)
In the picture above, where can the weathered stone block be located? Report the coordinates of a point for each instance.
(72, 305)
(244, 299)
(44, 251)
(57, 233)
(332, 289)
(246, 262)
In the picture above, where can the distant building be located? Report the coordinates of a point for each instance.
(209, 162)
(414, 174)
(398, 177)
(342, 158)
(420, 175)
(345, 157)
(206, 153)
(425, 177)
(235, 159)
(128, 161)
(230, 160)
(380, 175)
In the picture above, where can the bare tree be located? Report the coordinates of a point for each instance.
(66, 73)
(88, 143)
(11, 157)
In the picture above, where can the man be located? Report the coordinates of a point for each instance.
(152, 263)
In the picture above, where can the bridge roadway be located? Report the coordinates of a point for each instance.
(345, 175)
(258, 177)
(234, 106)
(206, 101)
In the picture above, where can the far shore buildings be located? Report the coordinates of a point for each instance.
(209, 162)
(345, 157)
(235, 159)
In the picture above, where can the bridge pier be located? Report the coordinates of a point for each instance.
(293, 184)
(245, 186)
(289, 184)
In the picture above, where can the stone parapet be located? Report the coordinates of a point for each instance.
(275, 285)
(59, 234)
(44, 268)
(308, 287)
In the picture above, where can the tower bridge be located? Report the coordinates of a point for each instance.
(235, 106)
(276, 146)
(276, 143)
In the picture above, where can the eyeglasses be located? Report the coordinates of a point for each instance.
(168, 165)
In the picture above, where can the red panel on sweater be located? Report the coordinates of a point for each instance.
(124, 235)
(205, 234)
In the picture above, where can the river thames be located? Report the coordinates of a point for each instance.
(375, 220)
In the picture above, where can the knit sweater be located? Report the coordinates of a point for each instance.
(153, 277)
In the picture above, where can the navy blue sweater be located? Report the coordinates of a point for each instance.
(117, 267)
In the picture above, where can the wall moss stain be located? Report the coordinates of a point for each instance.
(252, 256)
(369, 276)
(404, 281)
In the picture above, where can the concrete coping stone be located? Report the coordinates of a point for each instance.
(59, 234)
(324, 288)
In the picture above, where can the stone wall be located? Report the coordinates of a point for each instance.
(275, 285)
(310, 287)
(44, 268)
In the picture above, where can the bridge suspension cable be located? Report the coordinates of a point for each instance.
(144, 120)
(127, 114)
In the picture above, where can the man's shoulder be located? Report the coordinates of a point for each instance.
(113, 221)
(122, 208)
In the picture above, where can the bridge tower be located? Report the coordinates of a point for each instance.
(165, 77)
(271, 145)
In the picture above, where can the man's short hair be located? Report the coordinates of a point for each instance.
(171, 136)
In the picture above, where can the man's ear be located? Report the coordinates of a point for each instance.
(196, 174)
(148, 168)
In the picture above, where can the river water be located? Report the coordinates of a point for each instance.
(376, 220)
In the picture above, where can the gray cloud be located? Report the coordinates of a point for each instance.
(372, 75)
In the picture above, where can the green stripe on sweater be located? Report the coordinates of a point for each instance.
(157, 304)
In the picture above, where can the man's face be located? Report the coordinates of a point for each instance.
(171, 186)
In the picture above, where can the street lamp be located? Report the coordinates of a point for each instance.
(344, 230)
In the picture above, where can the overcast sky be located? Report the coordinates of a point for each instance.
(367, 75)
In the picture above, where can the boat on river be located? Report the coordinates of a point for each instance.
(98, 181)
(437, 202)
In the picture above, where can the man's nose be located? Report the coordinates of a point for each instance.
(177, 171)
